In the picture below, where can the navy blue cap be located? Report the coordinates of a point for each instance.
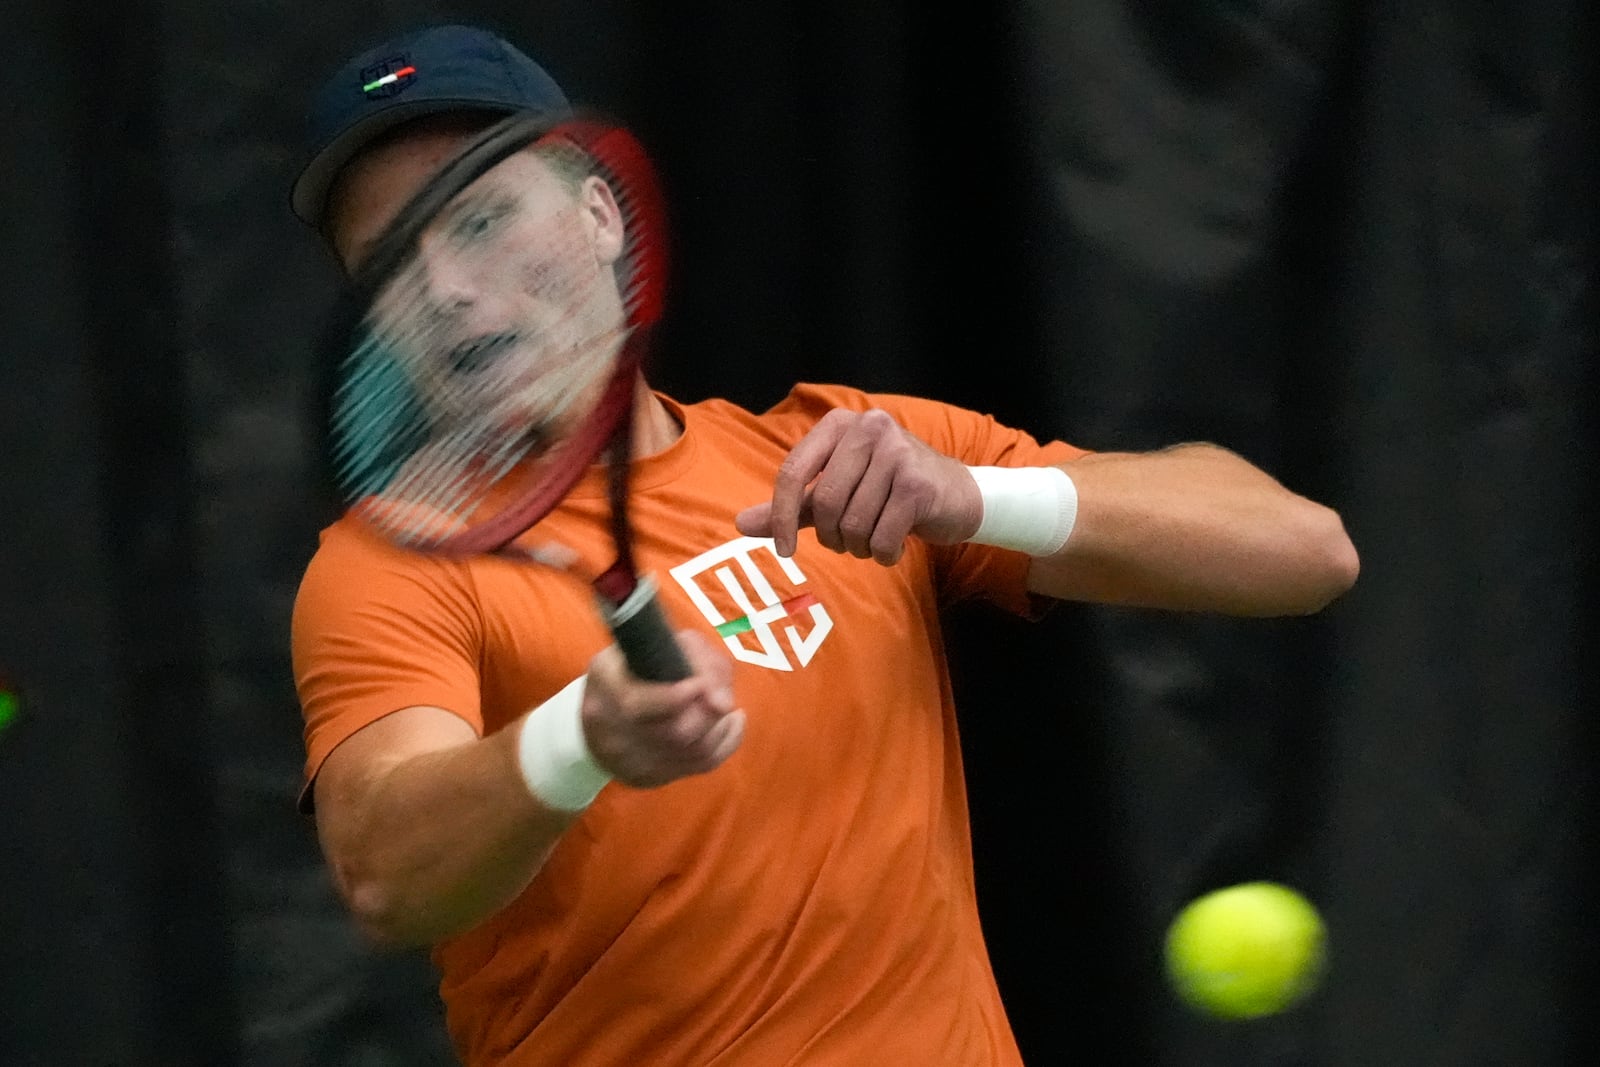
(428, 71)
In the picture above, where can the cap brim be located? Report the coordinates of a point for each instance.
(309, 195)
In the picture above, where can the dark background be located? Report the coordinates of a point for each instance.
(1354, 241)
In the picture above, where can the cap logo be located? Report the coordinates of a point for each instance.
(389, 78)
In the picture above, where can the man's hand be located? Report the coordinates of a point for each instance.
(865, 484)
(650, 733)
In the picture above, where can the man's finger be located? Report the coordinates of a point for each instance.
(804, 462)
(722, 740)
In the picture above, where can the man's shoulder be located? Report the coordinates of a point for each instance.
(812, 400)
(348, 551)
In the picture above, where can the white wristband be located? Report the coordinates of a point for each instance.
(1030, 509)
(554, 757)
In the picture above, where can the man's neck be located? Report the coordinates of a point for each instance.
(655, 428)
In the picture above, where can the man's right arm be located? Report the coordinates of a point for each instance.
(427, 828)
(430, 829)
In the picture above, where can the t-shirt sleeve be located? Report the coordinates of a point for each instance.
(966, 571)
(375, 630)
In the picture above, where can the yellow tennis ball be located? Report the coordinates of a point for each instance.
(1246, 951)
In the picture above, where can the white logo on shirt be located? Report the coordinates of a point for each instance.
(735, 567)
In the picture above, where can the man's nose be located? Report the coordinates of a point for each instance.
(449, 279)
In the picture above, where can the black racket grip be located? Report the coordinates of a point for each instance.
(645, 638)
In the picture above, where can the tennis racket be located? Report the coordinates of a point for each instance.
(494, 357)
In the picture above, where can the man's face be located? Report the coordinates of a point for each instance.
(512, 287)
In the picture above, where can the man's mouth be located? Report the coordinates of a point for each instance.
(477, 354)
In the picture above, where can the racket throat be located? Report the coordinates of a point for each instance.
(620, 581)
(618, 584)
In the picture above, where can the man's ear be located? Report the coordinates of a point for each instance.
(604, 217)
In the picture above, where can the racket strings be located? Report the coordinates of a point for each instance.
(417, 475)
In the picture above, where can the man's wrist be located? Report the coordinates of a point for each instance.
(1029, 509)
(553, 755)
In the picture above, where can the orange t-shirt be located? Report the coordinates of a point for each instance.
(811, 901)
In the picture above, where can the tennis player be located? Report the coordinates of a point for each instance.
(767, 863)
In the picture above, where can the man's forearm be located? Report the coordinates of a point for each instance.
(432, 845)
(1196, 528)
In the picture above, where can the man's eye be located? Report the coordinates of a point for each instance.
(478, 224)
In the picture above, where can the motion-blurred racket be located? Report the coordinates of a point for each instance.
(495, 353)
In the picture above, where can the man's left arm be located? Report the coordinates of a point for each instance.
(1195, 527)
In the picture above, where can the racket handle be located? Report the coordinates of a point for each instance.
(646, 640)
